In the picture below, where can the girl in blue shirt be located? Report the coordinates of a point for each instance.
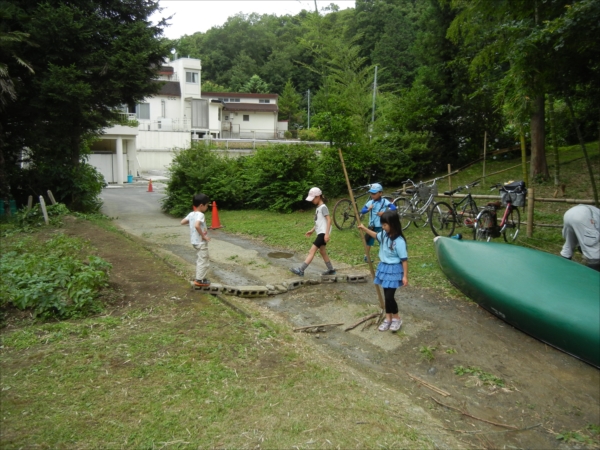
(392, 271)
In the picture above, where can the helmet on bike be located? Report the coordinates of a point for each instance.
(375, 188)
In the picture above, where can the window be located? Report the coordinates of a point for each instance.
(142, 111)
(219, 115)
(264, 100)
(235, 100)
(163, 109)
(246, 118)
(191, 77)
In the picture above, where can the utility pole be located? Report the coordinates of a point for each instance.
(308, 109)
(316, 9)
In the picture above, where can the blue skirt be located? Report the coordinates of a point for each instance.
(389, 275)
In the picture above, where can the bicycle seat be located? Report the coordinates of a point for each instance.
(448, 192)
(495, 205)
(410, 191)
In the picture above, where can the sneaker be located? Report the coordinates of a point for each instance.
(298, 272)
(385, 325)
(365, 259)
(329, 272)
(202, 283)
(396, 324)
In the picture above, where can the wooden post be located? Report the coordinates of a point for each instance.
(29, 203)
(530, 207)
(449, 177)
(362, 236)
(484, 155)
(43, 205)
(51, 197)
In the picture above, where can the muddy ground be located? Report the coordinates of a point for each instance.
(545, 392)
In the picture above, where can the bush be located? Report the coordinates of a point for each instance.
(308, 134)
(287, 134)
(50, 279)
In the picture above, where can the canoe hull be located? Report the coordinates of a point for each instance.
(548, 297)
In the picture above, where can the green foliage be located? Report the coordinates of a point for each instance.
(50, 279)
(309, 134)
(289, 104)
(275, 178)
(255, 85)
(279, 177)
(197, 169)
(427, 352)
(486, 377)
(78, 85)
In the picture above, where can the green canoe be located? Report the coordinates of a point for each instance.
(548, 297)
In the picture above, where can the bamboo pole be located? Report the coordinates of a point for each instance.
(530, 206)
(362, 236)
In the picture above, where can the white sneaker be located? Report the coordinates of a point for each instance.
(385, 325)
(396, 324)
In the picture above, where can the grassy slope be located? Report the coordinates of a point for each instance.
(286, 231)
(173, 368)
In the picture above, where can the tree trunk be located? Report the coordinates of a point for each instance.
(583, 148)
(554, 141)
(539, 168)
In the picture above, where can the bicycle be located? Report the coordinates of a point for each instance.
(343, 211)
(413, 209)
(512, 195)
(443, 217)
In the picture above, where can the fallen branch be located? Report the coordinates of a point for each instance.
(473, 417)
(318, 326)
(429, 386)
(493, 432)
(364, 319)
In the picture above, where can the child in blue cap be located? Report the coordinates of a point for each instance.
(375, 207)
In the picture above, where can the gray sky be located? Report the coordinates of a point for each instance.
(191, 16)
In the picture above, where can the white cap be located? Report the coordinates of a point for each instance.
(313, 193)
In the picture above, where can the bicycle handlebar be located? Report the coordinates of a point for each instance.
(365, 186)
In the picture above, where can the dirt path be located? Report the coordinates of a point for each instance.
(543, 391)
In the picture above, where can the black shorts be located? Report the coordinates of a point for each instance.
(320, 240)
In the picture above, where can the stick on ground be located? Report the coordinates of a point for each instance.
(473, 417)
(364, 319)
(429, 386)
(317, 326)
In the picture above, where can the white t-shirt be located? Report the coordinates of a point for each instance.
(193, 217)
(321, 220)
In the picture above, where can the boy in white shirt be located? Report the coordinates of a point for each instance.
(199, 237)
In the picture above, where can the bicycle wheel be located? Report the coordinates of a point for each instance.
(421, 218)
(343, 214)
(404, 209)
(442, 219)
(484, 226)
(512, 225)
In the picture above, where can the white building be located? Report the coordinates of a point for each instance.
(178, 114)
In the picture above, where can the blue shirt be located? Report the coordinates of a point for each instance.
(381, 205)
(391, 251)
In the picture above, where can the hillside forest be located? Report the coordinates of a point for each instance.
(419, 83)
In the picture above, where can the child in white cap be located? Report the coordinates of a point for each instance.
(323, 229)
(375, 207)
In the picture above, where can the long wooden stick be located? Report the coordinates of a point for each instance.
(473, 417)
(429, 386)
(317, 326)
(364, 319)
(362, 236)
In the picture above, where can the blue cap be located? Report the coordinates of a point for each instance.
(375, 188)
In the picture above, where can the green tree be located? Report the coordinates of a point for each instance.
(255, 85)
(289, 103)
(89, 57)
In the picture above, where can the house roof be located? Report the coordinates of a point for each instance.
(252, 107)
(170, 88)
(238, 94)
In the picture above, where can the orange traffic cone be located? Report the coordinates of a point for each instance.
(150, 186)
(215, 222)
